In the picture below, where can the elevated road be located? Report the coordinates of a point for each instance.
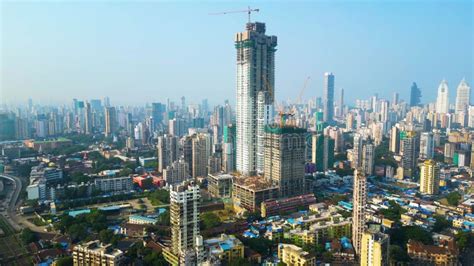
(12, 201)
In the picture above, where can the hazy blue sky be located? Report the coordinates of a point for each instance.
(138, 52)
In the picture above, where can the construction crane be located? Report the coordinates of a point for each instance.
(300, 96)
(248, 11)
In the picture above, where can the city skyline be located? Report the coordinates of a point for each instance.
(89, 59)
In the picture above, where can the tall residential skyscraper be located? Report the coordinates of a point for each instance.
(409, 147)
(255, 93)
(368, 158)
(184, 217)
(168, 150)
(442, 101)
(322, 151)
(395, 140)
(88, 119)
(201, 147)
(341, 103)
(395, 98)
(357, 151)
(429, 177)
(426, 145)
(463, 97)
(328, 97)
(110, 121)
(375, 249)
(285, 158)
(415, 95)
(157, 113)
(359, 201)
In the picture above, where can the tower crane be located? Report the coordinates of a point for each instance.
(248, 11)
(300, 96)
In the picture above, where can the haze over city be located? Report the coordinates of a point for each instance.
(137, 52)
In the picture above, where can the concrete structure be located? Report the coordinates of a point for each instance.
(409, 149)
(328, 97)
(225, 248)
(426, 145)
(220, 185)
(168, 149)
(273, 207)
(368, 150)
(138, 219)
(186, 242)
(429, 177)
(295, 256)
(255, 93)
(201, 147)
(285, 158)
(114, 184)
(442, 101)
(249, 192)
(176, 172)
(375, 249)
(359, 202)
(110, 121)
(463, 97)
(421, 254)
(322, 152)
(96, 254)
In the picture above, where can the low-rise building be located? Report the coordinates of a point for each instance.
(225, 248)
(446, 254)
(249, 192)
(273, 206)
(138, 219)
(95, 253)
(114, 184)
(295, 256)
(220, 185)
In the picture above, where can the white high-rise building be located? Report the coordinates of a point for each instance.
(442, 102)
(184, 217)
(359, 202)
(426, 145)
(255, 93)
(429, 177)
(463, 97)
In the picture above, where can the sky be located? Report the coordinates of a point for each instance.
(138, 52)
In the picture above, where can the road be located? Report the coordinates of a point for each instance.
(10, 213)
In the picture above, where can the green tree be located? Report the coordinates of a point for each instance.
(464, 239)
(441, 223)
(453, 198)
(394, 212)
(398, 255)
(27, 236)
(210, 220)
(64, 261)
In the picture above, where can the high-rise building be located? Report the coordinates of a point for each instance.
(442, 101)
(429, 177)
(328, 97)
(255, 92)
(322, 151)
(395, 98)
(7, 126)
(395, 140)
(167, 151)
(157, 111)
(375, 249)
(201, 147)
(341, 103)
(426, 145)
(88, 123)
(359, 201)
(415, 95)
(368, 158)
(110, 121)
(184, 217)
(463, 97)
(285, 158)
(409, 147)
(357, 151)
(176, 172)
